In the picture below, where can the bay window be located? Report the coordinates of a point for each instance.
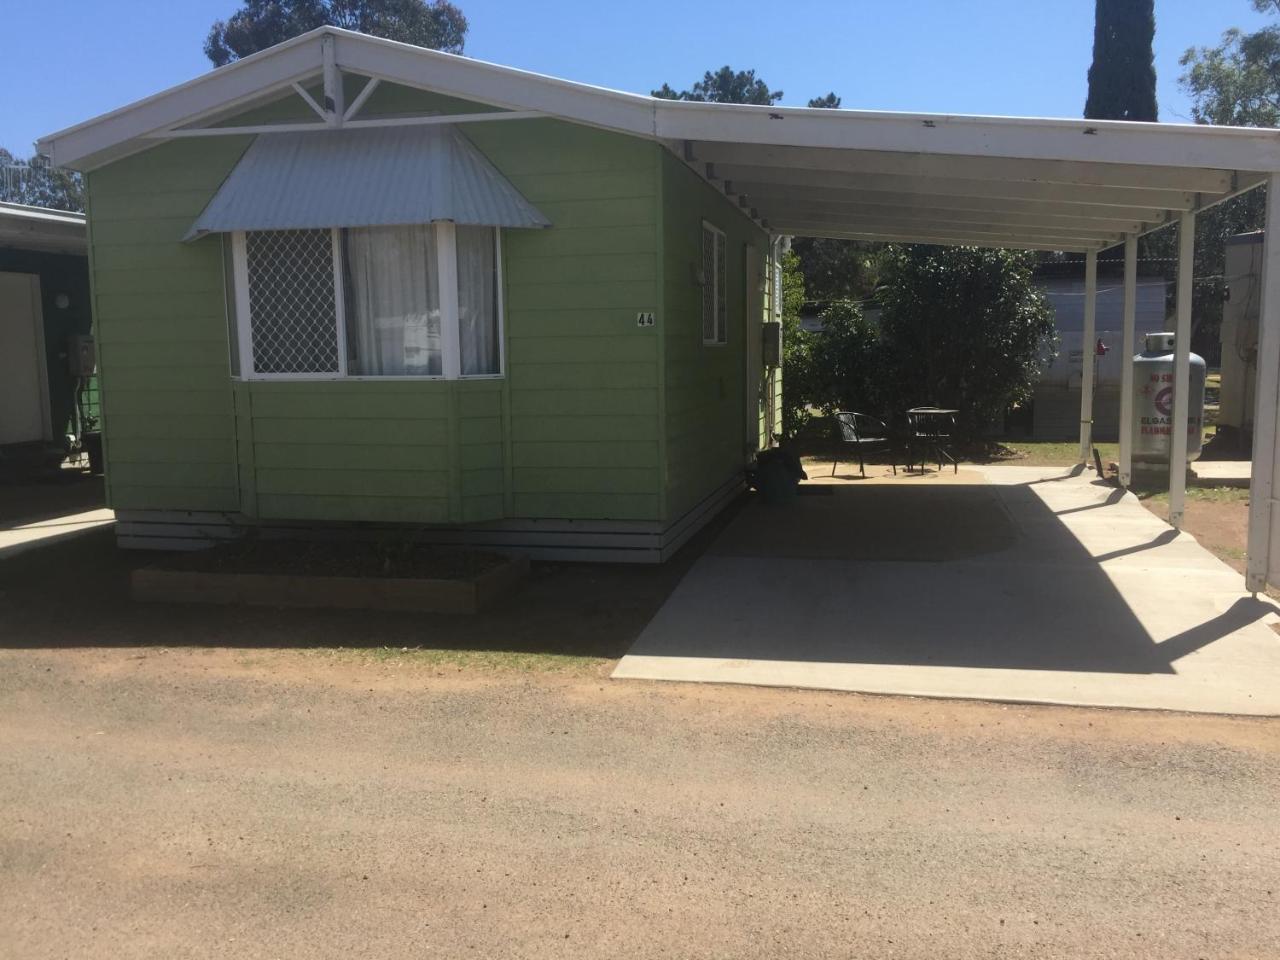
(389, 301)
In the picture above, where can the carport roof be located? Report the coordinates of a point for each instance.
(945, 178)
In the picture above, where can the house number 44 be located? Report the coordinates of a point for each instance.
(644, 319)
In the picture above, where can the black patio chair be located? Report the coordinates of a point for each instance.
(862, 432)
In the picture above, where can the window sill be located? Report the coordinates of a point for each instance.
(326, 378)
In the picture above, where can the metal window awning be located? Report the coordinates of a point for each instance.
(364, 178)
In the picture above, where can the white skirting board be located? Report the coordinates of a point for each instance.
(592, 541)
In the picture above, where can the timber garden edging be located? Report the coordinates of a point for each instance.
(425, 595)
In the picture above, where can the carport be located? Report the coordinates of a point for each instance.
(1040, 184)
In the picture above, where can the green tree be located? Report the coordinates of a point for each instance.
(35, 182)
(828, 102)
(1238, 81)
(961, 327)
(259, 24)
(725, 85)
(836, 270)
(1122, 79)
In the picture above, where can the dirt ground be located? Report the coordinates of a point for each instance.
(193, 802)
(199, 781)
(1222, 527)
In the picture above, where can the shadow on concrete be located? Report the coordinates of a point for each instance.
(959, 575)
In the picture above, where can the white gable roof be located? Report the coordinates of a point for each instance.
(1002, 181)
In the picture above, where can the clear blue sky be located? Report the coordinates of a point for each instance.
(63, 61)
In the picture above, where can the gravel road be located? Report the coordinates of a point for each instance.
(286, 804)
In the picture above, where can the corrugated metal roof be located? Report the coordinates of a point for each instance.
(362, 178)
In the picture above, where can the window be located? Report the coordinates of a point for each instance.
(398, 301)
(715, 307)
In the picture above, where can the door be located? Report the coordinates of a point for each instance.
(24, 400)
(753, 351)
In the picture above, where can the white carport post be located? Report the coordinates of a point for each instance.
(1181, 369)
(1086, 354)
(1126, 359)
(1258, 562)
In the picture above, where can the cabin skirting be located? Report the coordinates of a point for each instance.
(599, 541)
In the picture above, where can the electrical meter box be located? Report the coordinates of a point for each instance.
(771, 350)
(82, 355)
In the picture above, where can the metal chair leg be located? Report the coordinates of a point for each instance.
(862, 467)
(833, 466)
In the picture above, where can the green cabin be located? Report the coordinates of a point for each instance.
(351, 283)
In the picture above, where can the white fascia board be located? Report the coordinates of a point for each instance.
(78, 147)
(934, 188)
(27, 213)
(489, 83)
(1032, 138)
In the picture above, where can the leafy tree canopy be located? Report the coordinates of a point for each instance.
(1122, 79)
(828, 102)
(259, 24)
(965, 328)
(34, 182)
(726, 85)
(1237, 82)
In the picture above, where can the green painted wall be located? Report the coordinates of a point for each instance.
(572, 431)
(707, 421)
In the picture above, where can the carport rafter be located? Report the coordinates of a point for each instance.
(763, 193)
(937, 238)
(955, 188)
(948, 166)
(841, 212)
(1012, 236)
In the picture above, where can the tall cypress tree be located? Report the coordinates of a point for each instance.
(1122, 80)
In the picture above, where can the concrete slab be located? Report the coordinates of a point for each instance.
(1024, 584)
(21, 535)
(1222, 473)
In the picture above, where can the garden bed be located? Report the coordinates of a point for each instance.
(354, 576)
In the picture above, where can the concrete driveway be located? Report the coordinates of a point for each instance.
(1019, 584)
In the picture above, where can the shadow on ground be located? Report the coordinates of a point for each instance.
(943, 575)
(76, 593)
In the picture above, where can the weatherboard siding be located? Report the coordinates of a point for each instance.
(168, 410)
(705, 419)
(571, 432)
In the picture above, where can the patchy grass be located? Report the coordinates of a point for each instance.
(1035, 453)
(486, 661)
(1200, 495)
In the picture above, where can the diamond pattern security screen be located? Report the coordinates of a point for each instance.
(292, 306)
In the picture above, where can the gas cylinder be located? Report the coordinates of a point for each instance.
(1153, 402)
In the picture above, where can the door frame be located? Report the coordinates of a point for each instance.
(42, 356)
(754, 273)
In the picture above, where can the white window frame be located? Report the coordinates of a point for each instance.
(720, 260)
(450, 321)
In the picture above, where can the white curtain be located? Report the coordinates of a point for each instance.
(478, 300)
(393, 297)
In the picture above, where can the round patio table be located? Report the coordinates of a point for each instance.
(929, 430)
